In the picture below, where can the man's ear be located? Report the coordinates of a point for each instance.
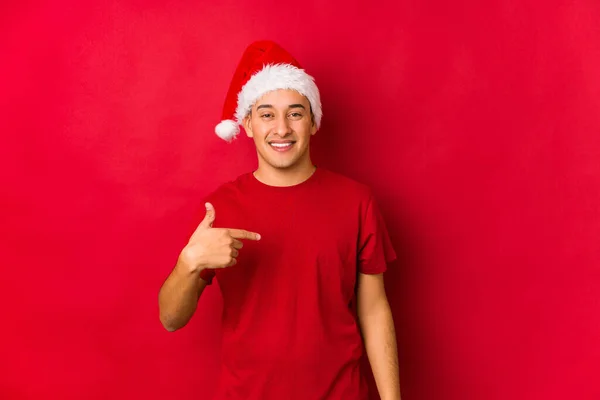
(248, 126)
(313, 128)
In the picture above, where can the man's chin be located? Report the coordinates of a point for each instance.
(287, 162)
(280, 164)
(285, 166)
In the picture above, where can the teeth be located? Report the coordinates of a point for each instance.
(281, 145)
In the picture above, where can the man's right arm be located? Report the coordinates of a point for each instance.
(207, 248)
(179, 295)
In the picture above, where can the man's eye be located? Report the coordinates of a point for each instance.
(267, 115)
(296, 115)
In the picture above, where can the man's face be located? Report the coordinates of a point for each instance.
(281, 125)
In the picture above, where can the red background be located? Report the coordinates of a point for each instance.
(476, 123)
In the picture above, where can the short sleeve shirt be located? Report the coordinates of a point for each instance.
(289, 305)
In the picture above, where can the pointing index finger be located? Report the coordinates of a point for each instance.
(243, 234)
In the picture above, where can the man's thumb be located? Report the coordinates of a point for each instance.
(209, 218)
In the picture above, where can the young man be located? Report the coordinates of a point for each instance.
(299, 253)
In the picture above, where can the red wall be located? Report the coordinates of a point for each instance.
(476, 123)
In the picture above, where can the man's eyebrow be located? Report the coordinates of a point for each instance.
(296, 106)
(290, 106)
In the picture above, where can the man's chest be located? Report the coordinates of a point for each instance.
(301, 242)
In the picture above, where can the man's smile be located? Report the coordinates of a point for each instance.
(281, 145)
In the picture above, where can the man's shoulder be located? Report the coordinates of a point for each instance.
(346, 185)
(228, 188)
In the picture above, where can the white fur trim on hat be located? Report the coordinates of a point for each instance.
(227, 130)
(275, 77)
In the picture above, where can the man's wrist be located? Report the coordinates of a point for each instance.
(185, 266)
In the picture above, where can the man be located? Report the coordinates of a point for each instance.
(302, 282)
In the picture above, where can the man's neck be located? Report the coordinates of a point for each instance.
(284, 177)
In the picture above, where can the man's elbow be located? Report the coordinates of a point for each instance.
(170, 328)
(374, 306)
(170, 324)
(374, 315)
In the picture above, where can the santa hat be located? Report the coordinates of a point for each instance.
(264, 67)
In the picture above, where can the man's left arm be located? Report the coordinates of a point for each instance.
(377, 327)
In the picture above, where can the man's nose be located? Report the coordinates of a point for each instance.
(282, 126)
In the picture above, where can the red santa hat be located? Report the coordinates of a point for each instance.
(264, 67)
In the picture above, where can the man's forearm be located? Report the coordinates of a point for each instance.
(380, 342)
(178, 297)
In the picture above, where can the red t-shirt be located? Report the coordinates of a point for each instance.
(289, 306)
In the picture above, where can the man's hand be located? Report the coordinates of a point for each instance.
(210, 247)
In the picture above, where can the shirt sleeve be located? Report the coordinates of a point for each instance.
(375, 248)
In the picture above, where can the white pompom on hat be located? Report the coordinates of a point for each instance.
(264, 67)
